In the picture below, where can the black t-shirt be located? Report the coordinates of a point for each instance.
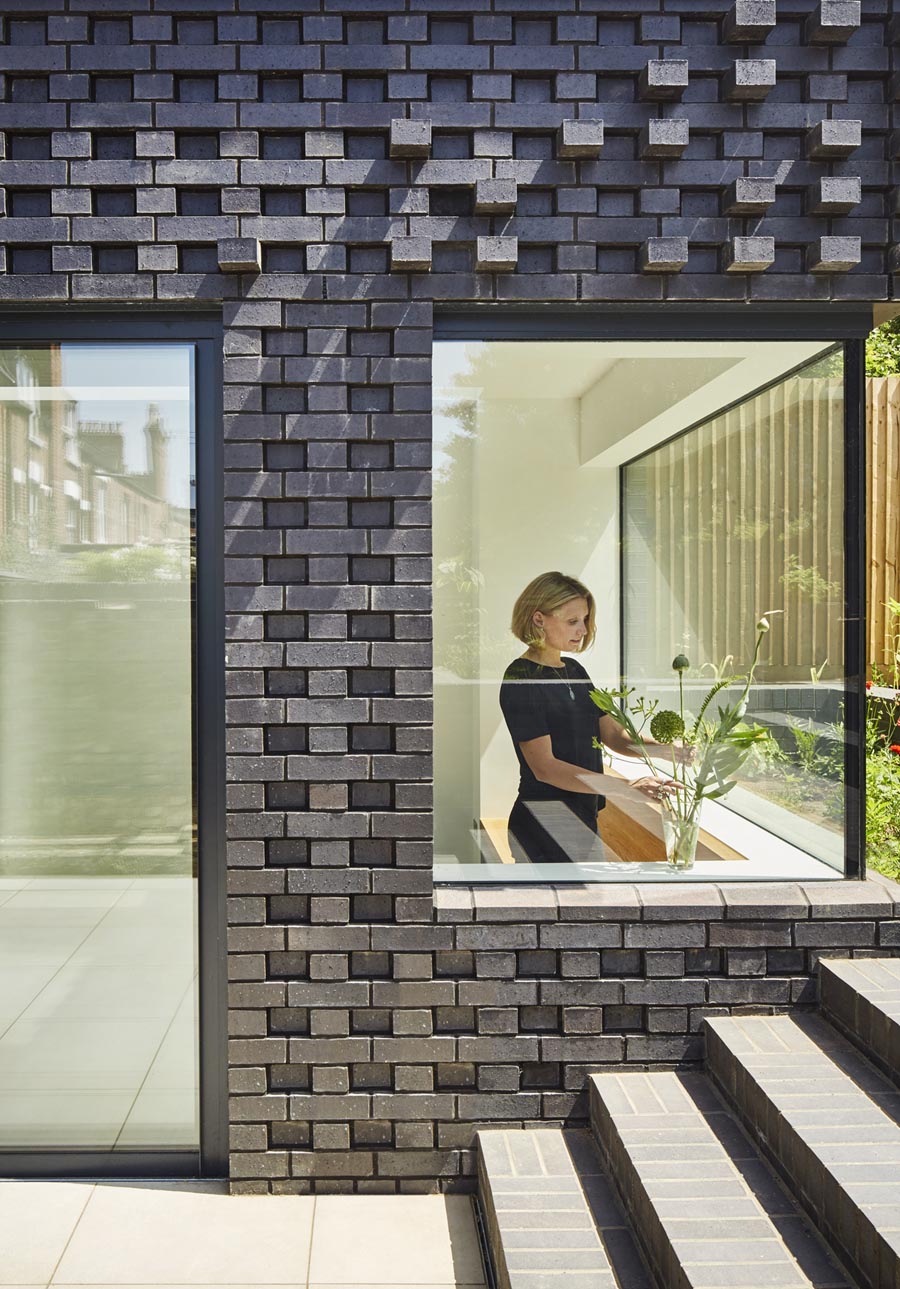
(536, 700)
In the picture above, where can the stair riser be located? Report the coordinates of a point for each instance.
(640, 1211)
(489, 1214)
(841, 1222)
(863, 1022)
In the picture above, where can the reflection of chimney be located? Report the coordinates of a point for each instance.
(103, 444)
(156, 441)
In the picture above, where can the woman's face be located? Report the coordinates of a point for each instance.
(565, 627)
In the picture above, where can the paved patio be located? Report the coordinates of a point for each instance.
(180, 1234)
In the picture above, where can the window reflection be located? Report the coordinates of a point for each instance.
(97, 898)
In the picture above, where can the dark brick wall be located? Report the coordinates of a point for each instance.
(154, 149)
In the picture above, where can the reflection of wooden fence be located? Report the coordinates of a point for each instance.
(743, 514)
(883, 510)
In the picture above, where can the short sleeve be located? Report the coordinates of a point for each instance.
(525, 713)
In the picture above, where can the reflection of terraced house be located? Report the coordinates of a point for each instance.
(66, 482)
(123, 507)
(41, 489)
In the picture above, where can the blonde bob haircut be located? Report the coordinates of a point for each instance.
(547, 593)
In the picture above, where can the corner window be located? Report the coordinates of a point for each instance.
(620, 527)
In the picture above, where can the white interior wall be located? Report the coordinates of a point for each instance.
(538, 509)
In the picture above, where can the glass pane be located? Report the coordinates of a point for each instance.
(727, 458)
(733, 519)
(98, 973)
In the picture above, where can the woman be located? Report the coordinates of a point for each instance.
(555, 727)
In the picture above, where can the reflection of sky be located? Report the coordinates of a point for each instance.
(146, 369)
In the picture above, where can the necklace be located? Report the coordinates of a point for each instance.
(565, 677)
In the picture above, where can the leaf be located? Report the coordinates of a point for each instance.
(717, 793)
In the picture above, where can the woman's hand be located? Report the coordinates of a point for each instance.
(655, 789)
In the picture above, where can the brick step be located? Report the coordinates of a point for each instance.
(862, 997)
(828, 1120)
(550, 1213)
(707, 1210)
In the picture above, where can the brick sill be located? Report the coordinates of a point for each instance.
(875, 897)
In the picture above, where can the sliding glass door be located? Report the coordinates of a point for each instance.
(98, 837)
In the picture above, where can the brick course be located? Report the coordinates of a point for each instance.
(373, 162)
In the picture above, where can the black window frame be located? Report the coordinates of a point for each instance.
(839, 323)
(203, 330)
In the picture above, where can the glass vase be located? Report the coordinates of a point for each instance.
(680, 836)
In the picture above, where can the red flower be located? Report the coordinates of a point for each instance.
(868, 684)
(895, 747)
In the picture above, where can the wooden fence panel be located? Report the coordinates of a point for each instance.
(883, 508)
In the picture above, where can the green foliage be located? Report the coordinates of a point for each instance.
(883, 763)
(809, 582)
(807, 743)
(720, 747)
(133, 564)
(883, 350)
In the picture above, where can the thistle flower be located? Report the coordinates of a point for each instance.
(666, 727)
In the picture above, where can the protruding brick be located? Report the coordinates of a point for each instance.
(833, 22)
(496, 254)
(410, 138)
(664, 79)
(749, 79)
(750, 254)
(664, 137)
(834, 254)
(837, 195)
(748, 196)
(833, 139)
(664, 254)
(239, 255)
(495, 196)
(749, 21)
(580, 139)
(411, 253)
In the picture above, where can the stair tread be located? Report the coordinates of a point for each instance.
(829, 1118)
(720, 1218)
(876, 979)
(551, 1212)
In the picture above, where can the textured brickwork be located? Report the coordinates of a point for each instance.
(327, 174)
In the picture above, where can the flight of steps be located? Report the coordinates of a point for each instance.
(776, 1168)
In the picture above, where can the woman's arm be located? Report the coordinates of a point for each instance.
(538, 753)
(613, 736)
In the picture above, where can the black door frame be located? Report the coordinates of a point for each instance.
(204, 331)
(847, 324)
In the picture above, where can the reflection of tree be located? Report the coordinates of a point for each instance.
(170, 563)
(457, 580)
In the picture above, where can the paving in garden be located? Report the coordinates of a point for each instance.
(179, 1235)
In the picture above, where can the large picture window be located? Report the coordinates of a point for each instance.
(604, 510)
